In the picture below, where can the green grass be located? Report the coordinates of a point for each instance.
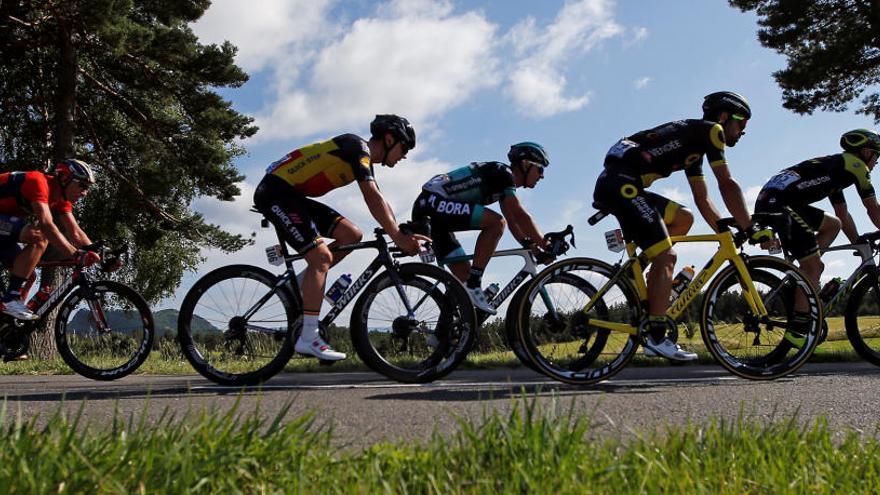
(533, 449)
(167, 360)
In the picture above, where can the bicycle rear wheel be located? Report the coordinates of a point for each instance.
(236, 328)
(555, 332)
(863, 318)
(418, 346)
(755, 347)
(104, 331)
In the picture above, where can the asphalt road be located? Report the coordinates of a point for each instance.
(364, 408)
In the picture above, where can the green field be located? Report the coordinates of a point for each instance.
(491, 352)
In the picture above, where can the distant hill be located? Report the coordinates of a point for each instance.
(165, 321)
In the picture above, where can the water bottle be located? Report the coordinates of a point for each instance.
(491, 291)
(40, 297)
(830, 289)
(338, 288)
(681, 281)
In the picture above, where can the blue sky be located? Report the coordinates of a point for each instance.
(477, 76)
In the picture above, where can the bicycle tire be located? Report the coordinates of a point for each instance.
(400, 347)
(511, 327)
(863, 330)
(224, 347)
(736, 344)
(104, 353)
(574, 352)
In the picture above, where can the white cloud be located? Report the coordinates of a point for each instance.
(675, 194)
(535, 81)
(638, 34)
(751, 194)
(641, 82)
(268, 32)
(420, 63)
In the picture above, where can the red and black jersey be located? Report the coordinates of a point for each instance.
(18, 190)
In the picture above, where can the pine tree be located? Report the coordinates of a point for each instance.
(833, 51)
(126, 85)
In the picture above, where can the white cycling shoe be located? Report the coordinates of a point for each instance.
(18, 310)
(668, 349)
(319, 349)
(478, 297)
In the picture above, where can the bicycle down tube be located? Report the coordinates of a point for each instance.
(726, 253)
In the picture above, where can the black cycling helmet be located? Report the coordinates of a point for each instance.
(397, 126)
(530, 151)
(726, 101)
(860, 138)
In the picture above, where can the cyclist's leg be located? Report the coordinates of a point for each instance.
(330, 223)
(289, 212)
(829, 227)
(15, 230)
(643, 217)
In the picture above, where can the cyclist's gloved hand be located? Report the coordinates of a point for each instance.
(409, 243)
(759, 235)
(543, 255)
(86, 258)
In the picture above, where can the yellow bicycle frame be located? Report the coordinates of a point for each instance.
(727, 253)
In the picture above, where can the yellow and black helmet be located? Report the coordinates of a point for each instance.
(860, 138)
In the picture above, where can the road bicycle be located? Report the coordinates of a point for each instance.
(859, 299)
(746, 311)
(560, 243)
(103, 330)
(413, 323)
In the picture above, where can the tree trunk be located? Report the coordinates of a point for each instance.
(42, 341)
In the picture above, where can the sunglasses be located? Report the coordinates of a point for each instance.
(83, 185)
(536, 165)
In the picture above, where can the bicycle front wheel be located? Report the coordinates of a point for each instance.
(104, 331)
(555, 329)
(863, 318)
(417, 344)
(236, 328)
(761, 347)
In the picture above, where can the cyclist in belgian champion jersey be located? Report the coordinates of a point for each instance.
(39, 196)
(456, 202)
(284, 198)
(808, 230)
(649, 219)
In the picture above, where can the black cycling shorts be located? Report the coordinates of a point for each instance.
(643, 215)
(447, 217)
(797, 230)
(300, 220)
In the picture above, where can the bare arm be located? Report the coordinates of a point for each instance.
(846, 221)
(50, 230)
(520, 223)
(383, 214)
(732, 196)
(76, 234)
(704, 204)
(873, 210)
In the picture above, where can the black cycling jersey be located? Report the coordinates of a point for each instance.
(479, 183)
(817, 179)
(678, 145)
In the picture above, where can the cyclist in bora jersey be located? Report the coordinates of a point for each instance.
(37, 195)
(808, 230)
(284, 197)
(456, 202)
(647, 218)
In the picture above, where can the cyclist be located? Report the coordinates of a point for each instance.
(40, 195)
(284, 197)
(456, 202)
(808, 230)
(649, 219)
